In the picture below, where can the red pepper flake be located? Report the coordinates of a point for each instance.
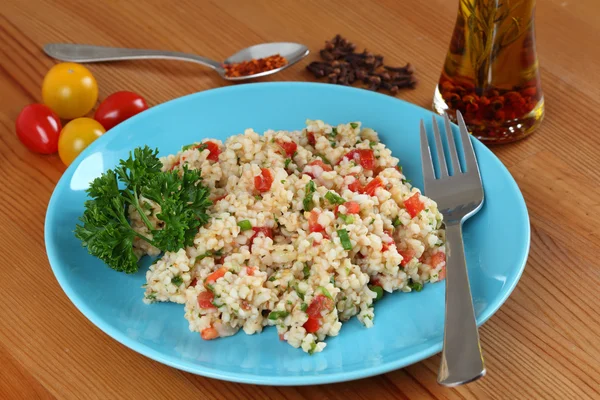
(254, 66)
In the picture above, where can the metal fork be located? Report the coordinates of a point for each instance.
(458, 196)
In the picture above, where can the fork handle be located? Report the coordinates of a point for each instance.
(462, 361)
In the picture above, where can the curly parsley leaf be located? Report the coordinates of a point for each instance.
(105, 229)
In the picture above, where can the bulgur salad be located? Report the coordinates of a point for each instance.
(298, 229)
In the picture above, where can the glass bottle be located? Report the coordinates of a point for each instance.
(491, 72)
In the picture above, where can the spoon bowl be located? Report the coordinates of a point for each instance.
(293, 52)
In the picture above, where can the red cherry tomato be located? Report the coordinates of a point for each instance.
(38, 128)
(118, 107)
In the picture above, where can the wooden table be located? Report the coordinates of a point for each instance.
(543, 343)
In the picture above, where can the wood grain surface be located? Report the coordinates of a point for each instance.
(542, 344)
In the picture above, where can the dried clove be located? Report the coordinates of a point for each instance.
(342, 65)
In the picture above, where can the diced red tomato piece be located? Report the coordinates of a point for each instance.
(437, 259)
(356, 186)
(313, 224)
(250, 271)
(214, 150)
(319, 303)
(311, 138)
(372, 186)
(352, 207)
(384, 247)
(267, 232)
(414, 205)
(219, 260)
(220, 198)
(216, 275)
(407, 255)
(205, 300)
(336, 210)
(281, 337)
(288, 147)
(365, 157)
(209, 333)
(244, 305)
(375, 282)
(263, 182)
(312, 324)
(321, 164)
(194, 282)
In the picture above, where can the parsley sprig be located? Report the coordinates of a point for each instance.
(105, 229)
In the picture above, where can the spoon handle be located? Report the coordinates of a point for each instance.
(88, 53)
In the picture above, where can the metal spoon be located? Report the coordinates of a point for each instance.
(293, 52)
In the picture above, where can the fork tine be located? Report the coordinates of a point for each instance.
(451, 146)
(426, 164)
(470, 160)
(440, 148)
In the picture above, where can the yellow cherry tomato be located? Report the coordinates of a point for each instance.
(70, 90)
(76, 136)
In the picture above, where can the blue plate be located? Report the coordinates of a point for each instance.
(408, 327)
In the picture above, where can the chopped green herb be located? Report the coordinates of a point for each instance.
(325, 292)
(304, 307)
(334, 198)
(416, 286)
(151, 296)
(354, 125)
(272, 278)
(427, 210)
(258, 197)
(274, 315)
(306, 271)
(295, 154)
(245, 225)
(372, 144)
(313, 347)
(188, 146)
(283, 181)
(210, 287)
(210, 253)
(332, 143)
(405, 181)
(202, 147)
(378, 157)
(333, 132)
(332, 280)
(348, 219)
(289, 302)
(177, 280)
(378, 290)
(297, 289)
(345, 239)
(144, 285)
(287, 162)
(309, 191)
(397, 222)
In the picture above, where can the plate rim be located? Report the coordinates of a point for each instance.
(239, 377)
